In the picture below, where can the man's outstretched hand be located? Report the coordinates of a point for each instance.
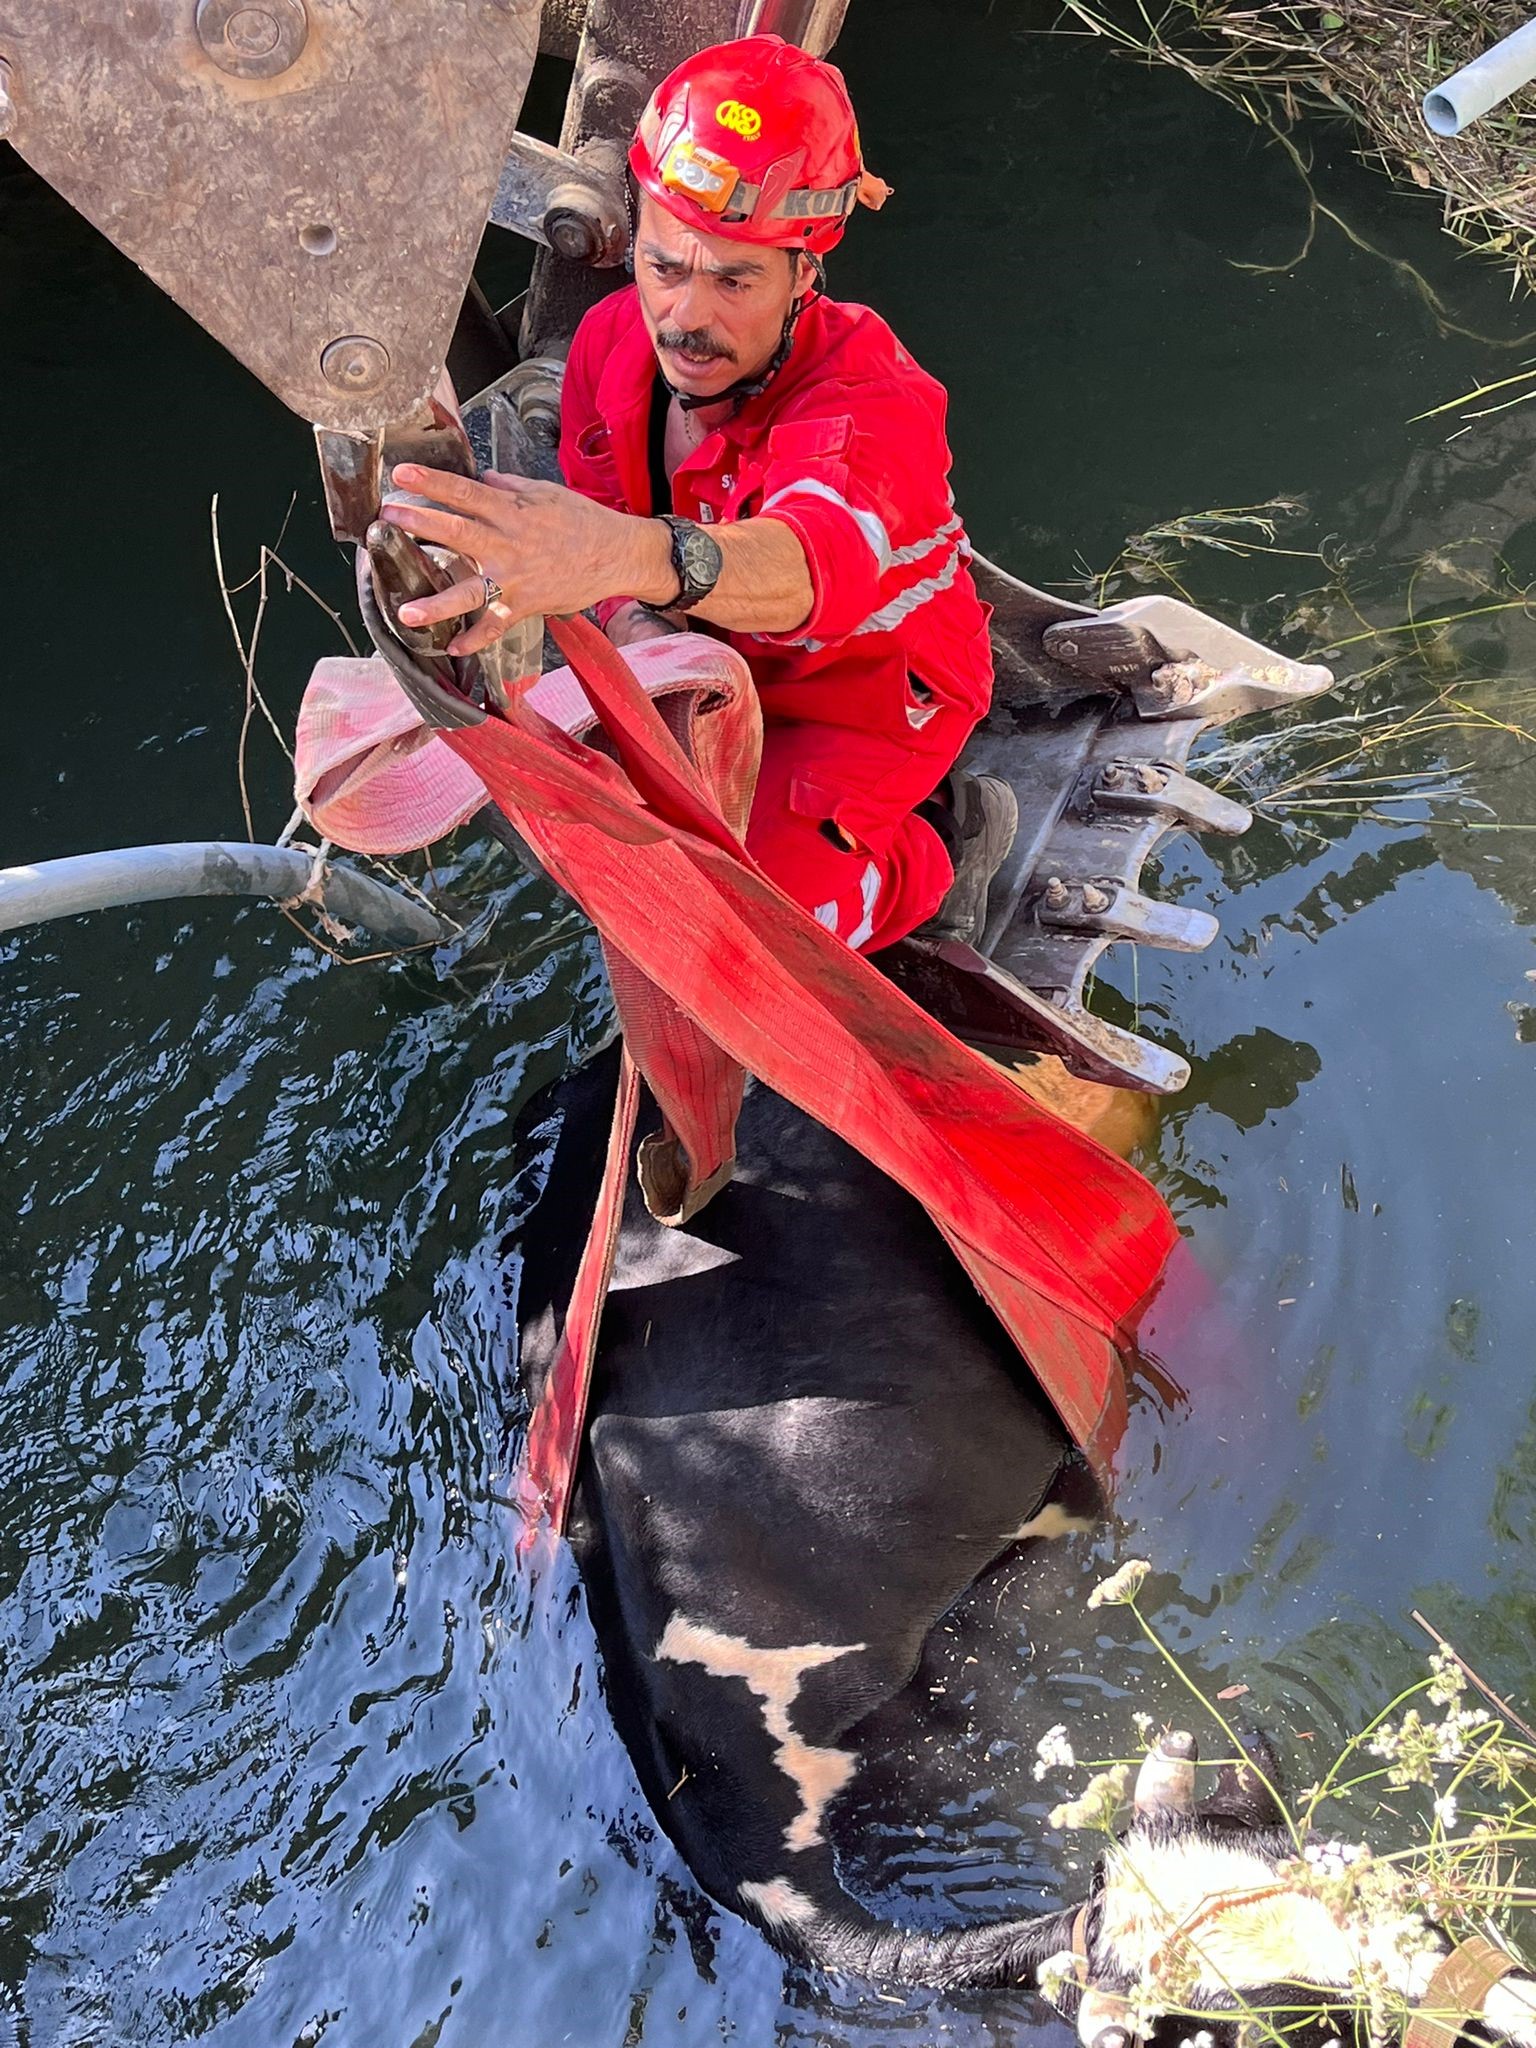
(552, 551)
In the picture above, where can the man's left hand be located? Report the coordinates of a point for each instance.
(551, 550)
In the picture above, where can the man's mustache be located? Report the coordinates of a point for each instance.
(696, 342)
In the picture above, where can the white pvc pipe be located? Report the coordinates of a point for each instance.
(1469, 93)
(207, 867)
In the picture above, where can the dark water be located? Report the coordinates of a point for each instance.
(291, 1751)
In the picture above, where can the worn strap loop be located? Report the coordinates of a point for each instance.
(1457, 1992)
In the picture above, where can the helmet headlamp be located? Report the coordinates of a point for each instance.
(700, 175)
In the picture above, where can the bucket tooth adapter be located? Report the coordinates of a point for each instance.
(1092, 723)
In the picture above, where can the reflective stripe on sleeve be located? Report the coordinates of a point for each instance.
(869, 895)
(870, 524)
(869, 891)
(918, 548)
(891, 615)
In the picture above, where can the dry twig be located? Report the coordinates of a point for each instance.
(1486, 1690)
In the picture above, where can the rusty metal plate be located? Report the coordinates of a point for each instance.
(309, 179)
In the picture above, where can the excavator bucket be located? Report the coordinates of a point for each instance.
(1092, 723)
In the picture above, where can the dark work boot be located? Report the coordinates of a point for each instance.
(976, 816)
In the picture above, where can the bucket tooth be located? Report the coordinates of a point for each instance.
(1153, 789)
(1210, 671)
(1092, 721)
(1168, 659)
(1113, 911)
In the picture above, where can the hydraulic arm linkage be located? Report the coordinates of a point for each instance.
(309, 179)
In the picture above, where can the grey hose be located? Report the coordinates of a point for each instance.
(208, 867)
(1477, 88)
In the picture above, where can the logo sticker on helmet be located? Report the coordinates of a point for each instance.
(746, 122)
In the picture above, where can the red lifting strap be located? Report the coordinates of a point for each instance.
(715, 970)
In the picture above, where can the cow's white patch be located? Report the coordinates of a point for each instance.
(1052, 1521)
(775, 1676)
(1510, 2010)
(1155, 1889)
(652, 1256)
(778, 1903)
(1219, 1906)
(1098, 2010)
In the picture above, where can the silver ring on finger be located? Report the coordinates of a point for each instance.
(492, 589)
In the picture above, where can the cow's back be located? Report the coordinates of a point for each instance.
(808, 1438)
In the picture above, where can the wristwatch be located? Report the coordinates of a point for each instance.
(697, 559)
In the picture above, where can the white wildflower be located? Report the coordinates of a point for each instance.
(1055, 1974)
(1449, 1681)
(1121, 1586)
(1332, 1859)
(1145, 2004)
(1445, 1810)
(1053, 1751)
(1414, 1746)
(1457, 1729)
(1203, 2039)
(1144, 1725)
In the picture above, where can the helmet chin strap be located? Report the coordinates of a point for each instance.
(736, 395)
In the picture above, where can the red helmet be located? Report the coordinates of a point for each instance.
(755, 140)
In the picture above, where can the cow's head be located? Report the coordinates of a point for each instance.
(1207, 1919)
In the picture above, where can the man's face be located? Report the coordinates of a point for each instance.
(714, 308)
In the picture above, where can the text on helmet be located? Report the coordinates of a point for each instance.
(744, 121)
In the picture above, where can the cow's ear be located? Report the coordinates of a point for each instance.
(1248, 1794)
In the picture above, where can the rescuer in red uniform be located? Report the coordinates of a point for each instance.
(744, 452)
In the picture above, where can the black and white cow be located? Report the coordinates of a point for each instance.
(808, 1441)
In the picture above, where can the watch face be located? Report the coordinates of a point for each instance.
(701, 560)
(696, 557)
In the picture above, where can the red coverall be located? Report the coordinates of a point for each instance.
(867, 705)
